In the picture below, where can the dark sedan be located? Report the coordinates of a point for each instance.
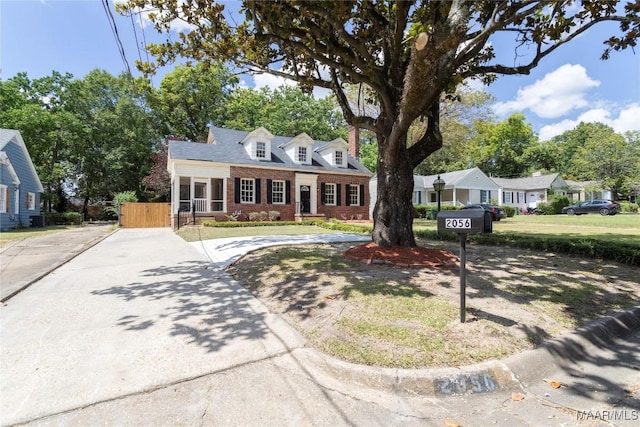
(497, 213)
(603, 207)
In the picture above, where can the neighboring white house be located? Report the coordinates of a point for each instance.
(529, 191)
(461, 188)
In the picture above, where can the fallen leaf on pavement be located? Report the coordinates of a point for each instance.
(450, 423)
(331, 296)
(517, 396)
(552, 383)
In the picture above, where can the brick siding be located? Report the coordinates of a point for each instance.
(287, 211)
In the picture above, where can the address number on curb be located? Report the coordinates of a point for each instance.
(457, 223)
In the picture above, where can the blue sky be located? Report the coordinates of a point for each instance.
(572, 85)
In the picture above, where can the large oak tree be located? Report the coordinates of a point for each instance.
(407, 52)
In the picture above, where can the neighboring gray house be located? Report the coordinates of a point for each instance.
(581, 191)
(461, 188)
(529, 191)
(20, 187)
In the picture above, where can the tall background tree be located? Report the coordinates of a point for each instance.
(499, 148)
(407, 52)
(38, 109)
(117, 138)
(192, 97)
(284, 111)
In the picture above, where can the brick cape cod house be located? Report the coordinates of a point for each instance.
(239, 173)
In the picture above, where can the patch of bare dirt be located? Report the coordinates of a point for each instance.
(515, 299)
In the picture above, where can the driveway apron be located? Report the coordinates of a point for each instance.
(140, 310)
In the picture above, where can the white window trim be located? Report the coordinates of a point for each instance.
(300, 151)
(351, 195)
(242, 191)
(333, 187)
(339, 158)
(281, 192)
(261, 154)
(3, 201)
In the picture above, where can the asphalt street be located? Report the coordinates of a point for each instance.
(145, 329)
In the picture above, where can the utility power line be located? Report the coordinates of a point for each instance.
(116, 35)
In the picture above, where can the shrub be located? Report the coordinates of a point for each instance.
(123, 197)
(559, 202)
(254, 216)
(274, 215)
(421, 211)
(65, 218)
(629, 207)
(510, 210)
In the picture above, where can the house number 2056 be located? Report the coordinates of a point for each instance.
(457, 223)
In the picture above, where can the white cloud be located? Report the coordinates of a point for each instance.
(271, 81)
(628, 119)
(555, 95)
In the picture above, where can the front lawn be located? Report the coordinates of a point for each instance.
(11, 236)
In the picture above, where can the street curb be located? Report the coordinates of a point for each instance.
(53, 267)
(512, 373)
(561, 352)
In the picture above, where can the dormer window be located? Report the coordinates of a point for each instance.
(261, 150)
(257, 144)
(339, 158)
(298, 149)
(302, 154)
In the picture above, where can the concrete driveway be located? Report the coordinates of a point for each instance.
(145, 329)
(140, 310)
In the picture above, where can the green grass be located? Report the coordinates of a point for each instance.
(11, 236)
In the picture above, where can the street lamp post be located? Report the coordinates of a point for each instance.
(438, 186)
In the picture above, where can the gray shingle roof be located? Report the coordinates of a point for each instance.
(227, 149)
(527, 183)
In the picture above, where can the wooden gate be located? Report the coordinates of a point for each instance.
(144, 215)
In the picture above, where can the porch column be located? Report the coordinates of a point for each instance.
(455, 197)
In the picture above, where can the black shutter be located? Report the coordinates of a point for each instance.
(236, 190)
(361, 194)
(322, 193)
(338, 195)
(269, 192)
(419, 197)
(347, 195)
(288, 191)
(258, 190)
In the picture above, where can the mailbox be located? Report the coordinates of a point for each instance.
(465, 221)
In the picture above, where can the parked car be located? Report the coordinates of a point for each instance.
(603, 207)
(497, 213)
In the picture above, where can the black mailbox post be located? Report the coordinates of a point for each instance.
(464, 222)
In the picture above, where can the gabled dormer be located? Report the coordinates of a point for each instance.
(299, 149)
(257, 144)
(335, 153)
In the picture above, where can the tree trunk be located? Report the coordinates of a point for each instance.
(393, 212)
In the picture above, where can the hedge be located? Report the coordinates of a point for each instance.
(330, 225)
(622, 252)
(65, 218)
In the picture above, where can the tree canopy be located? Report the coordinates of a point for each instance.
(408, 53)
(284, 111)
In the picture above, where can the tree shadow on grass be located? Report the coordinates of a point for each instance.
(202, 304)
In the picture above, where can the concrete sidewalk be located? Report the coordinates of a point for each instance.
(144, 329)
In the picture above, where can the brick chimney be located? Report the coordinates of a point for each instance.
(354, 141)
